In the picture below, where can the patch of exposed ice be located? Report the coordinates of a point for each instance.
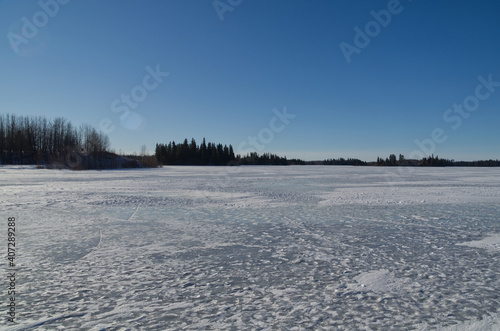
(406, 194)
(491, 243)
(380, 281)
(489, 323)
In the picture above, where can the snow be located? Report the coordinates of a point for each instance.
(380, 281)
(299, 247)
(490, 243)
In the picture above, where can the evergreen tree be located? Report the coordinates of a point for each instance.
(203, 153)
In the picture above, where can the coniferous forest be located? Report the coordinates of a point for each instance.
(190, 153)
(432, 161)
(37, 140)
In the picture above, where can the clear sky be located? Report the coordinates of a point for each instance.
(307, 79)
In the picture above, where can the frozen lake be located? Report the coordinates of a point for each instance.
(264, 248)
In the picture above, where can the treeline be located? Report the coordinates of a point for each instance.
(342, 161)
(479, 163)
(264, 159)
(433, 161)
(393, 161)
(56, 144)
(190, 153)
(36, 140)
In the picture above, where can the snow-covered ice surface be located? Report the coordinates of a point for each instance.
(263, 248)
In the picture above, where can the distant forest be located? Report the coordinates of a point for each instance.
(58, 143)
(55, 143)
(433, 161)
(190, 153)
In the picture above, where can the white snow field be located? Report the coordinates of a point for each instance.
(254, 248)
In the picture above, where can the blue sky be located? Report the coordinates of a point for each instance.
(155, 71)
